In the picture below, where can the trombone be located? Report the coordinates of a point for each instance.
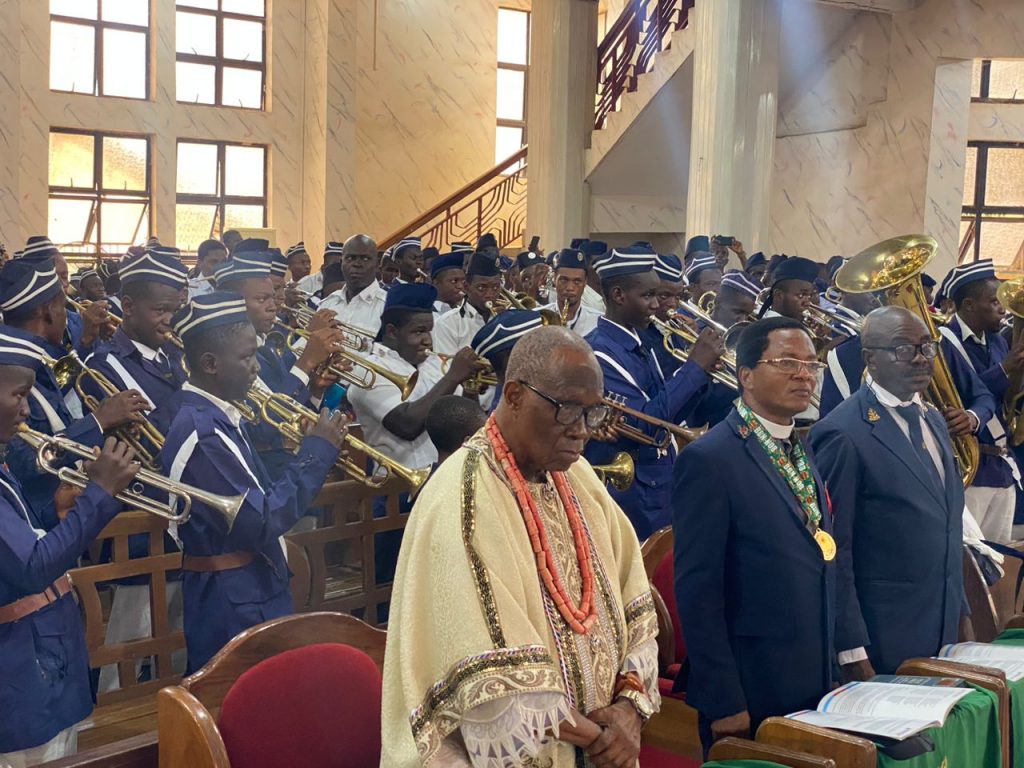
(286, 415)
(670, 331)
(406, 384)
(666, 430)
(70, 370)
(49, 448)
(619, 474)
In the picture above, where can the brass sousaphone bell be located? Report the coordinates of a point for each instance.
(1011, 295)
(892, 270)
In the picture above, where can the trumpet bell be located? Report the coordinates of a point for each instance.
(1011, 295)
(66, 370)
(619, 474)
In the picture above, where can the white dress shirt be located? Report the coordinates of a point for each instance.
(200, 286)
(312, 282)
(363, 310)
(593, 299)
(456, 328)
(374, 404)
(585, 320)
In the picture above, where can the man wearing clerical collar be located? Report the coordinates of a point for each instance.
(899, 504)
(545, 658)
(755, 561)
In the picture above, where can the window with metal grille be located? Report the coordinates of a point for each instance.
(221, 50)
(220, 186)
(100, 190)
(998, 81)
(992, 223)
(100, 47)
(513, 77)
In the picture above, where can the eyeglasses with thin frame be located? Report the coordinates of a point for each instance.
(791, 366)
(904, 353)
(566, 414)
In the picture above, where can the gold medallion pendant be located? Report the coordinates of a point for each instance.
(827, 544)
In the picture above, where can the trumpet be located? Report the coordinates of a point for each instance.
(406, 384)
(81, 306)
(49, 448)
(511, 300)
(666, 430)
(619, 474)
(688, 335)
(423, 275)
(286, 415)
(71, 371)
(486, 377)
(352, 336)
(821, 321)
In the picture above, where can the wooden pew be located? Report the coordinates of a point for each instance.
(187, 712)
(731, 748)
(332, 569)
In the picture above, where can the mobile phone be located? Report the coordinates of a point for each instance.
(725, 240)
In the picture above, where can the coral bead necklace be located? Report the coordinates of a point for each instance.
(580, 619)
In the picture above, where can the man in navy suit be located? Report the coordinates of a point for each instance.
(755, 560)
(898, 499)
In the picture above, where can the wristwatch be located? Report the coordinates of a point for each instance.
(640, 701)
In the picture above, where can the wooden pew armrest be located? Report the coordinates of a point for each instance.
(188, 734)
(732, 748)
(845, 749)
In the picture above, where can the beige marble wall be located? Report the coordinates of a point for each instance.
(372, 117)
(892, 160)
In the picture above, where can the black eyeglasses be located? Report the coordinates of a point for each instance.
(566, 414)
(904, 353)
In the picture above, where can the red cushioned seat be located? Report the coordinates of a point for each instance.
(316, 706)
(664, 582)
(652, 757)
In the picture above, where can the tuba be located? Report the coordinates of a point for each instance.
(619, 474)
(892, 270)
(1011, 296)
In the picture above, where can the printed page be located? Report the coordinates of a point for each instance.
(909, 702)
(887, 727)
(981, 651)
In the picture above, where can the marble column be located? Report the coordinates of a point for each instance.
(560, 116)
(329, 123)
(735, 109)
(10, 122)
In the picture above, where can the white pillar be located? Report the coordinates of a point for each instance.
(560, 116)
(735, 109)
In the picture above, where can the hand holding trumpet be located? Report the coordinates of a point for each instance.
(114, 467)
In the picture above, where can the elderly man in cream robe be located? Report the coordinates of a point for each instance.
(497, 656)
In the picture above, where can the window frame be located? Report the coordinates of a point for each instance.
(986, 84)
(100, 194)
(98, 26)
(525, 69)
(221, 199)
(978, 211)
(218, 62)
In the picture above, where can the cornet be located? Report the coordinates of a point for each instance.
(71, 371)
(660, 439)
(406, 384)
(49, 448)
(287, 415)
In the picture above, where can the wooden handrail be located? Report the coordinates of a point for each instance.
(627, 51)
(455, 198)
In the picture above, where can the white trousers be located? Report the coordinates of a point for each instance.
(63, 744)
(131, 619)
(993, 510)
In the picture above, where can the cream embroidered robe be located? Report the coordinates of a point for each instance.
(479, 664)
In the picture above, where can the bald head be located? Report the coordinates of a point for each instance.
(881, 324)
(544, 356)
(359, 263)
(899, 351)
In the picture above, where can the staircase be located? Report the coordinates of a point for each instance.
(647, 47)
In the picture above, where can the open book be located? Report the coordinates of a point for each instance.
(889, 710)
(1009, 658)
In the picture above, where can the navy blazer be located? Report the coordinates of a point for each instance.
(630, 370)
(900, 590)
(44, 662)
(755, 594)
(204, 448)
